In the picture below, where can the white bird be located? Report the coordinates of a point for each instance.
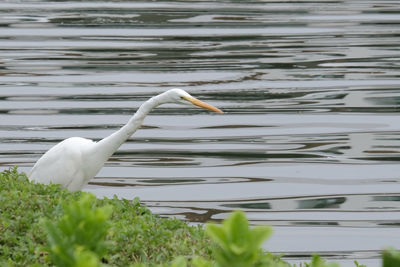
(74, 161)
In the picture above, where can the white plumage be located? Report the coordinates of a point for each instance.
(74, 161)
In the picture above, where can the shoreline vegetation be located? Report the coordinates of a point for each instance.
(44, 225)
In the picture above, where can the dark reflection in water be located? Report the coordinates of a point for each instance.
(321, 203)
(309, 141)
(258, 205)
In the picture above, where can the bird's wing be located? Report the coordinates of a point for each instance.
(60, 165)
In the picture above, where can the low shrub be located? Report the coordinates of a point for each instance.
(45, 225)
(135, 234)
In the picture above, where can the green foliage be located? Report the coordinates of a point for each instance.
(136, 234)
(179, 262)
(238, 244)
(79, 236)
(391, 258)
(358, 265)
(200, 262)
(317, 261)
(80, 258)
(148, 238)
(80, 229)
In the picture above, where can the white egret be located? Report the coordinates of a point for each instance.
(74, 161)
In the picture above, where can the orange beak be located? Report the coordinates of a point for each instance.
(201, 104)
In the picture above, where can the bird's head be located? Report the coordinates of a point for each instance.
(180, 96)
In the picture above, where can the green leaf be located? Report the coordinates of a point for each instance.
(200, 262)
(259, 234)
(238, 244)
(391, 258)
(237, 227)
(358, 265)
(179, 262)
(218, 234)
(79, 236)
(84, 258)
(317, 261)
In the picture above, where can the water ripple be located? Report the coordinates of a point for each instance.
(309, 139)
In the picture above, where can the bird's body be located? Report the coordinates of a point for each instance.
(74, 161)
(67, 164)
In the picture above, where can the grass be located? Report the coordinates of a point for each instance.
(135, 233)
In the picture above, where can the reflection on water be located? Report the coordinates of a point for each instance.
(309, 139)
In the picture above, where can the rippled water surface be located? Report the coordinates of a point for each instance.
(310, 138)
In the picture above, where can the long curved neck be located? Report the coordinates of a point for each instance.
(107, 146)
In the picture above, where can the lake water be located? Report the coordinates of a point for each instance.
(310, 138)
